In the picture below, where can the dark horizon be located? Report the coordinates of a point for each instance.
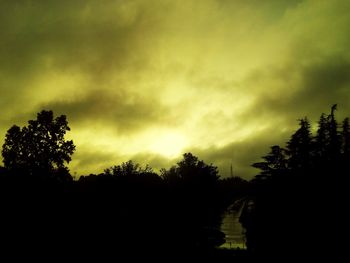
(178, 212)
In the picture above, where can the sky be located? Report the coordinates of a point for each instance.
(149, 80)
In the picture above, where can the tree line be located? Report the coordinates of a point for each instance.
(178, 209)
(299, 196)
(305, 153)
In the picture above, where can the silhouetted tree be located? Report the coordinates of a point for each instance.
(322, 138)
(346, 138)
(275, 163)
(170, 176)
(192, 170)
(39, 147)
(328, 142)
(299, 147)
(128, 168)
(334, 138)
(286, 208)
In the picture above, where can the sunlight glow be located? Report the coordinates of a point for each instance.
(169, 144)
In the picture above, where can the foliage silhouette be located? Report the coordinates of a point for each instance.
(305, 153)
(295, 188)
(39, 147)
(275, 163)
(346, 138)
(180, 209)
(108, 212)
(129, 168)
(299, 147)
(192, 171)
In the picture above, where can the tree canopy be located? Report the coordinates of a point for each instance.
(191, 170)
(39, 147)
(326, 151)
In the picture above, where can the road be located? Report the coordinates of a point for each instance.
(231, 227)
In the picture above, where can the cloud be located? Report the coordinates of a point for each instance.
(242, 154)
(104, 43)
(121, 110)
(88, 161)
(224, 78)
(302, 90)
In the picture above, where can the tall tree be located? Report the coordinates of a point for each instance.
(334, 138)
(274, 163)
(322, 138)
(39, 147)
(299, 147)
(345, 134)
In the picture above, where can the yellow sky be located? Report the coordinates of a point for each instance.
(149, 80)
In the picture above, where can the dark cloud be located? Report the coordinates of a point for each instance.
(96, 161)
(242, 154)
(305, 90)
(230, 76)
(91, 161)
(95, 38)
(123, 111)
(325, 83)
(63, 28)
(275, 8)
